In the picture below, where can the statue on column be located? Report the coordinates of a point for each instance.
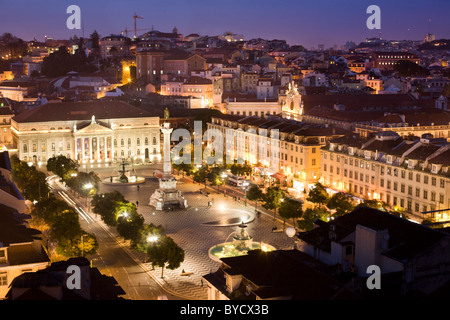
(166, 114)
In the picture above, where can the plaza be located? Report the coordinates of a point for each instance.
(196, 229)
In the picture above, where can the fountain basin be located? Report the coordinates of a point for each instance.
(229, 249)
(133, 180)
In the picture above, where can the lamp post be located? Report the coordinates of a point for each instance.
(152, 240)
(88, 186)
(245, 184)
(82, 244)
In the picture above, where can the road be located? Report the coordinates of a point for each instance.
(111, 259)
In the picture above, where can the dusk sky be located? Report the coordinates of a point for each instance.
(308, 23)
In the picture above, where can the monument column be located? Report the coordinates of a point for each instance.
(166, 130)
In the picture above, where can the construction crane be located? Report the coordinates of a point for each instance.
(136, 17)
(126, 31)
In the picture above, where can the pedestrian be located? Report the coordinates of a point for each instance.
(138, 187)
(137, 203)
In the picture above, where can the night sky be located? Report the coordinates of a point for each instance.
(308, 23)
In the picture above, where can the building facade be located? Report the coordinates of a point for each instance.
(410, 175)
(88, 132)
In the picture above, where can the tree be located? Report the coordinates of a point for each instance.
(254, 193)
(95, 44)
(310, 215)
(64, 228)
(84, 183)
(129, 222)
(291, 209)
(62, 166)
(241, 169)
(106, 204)
(215, 176)
(81, 245)
(318, 194)
(406, 68)
(165, 253)
(60, 62)
(272, 198)
(373, 203)
(148, 235)
(201, 175)
(340, 202)
(29, 180)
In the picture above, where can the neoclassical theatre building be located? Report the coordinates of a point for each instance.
(98, 131)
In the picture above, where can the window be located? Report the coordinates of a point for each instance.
(138, 141)
(313, 162)
(154, 140)
(433, 181)
(313, 150)
(442, 183)
(146, 141)
(417, 177)
(34, 147)
(410, 190)
(3, 279)
(417, 192)
(122, 142)
(410, 176)
(129, 141)
(53, 146)
(2, 256)
(25, 148)
(425, 179)
(425, 194)
(441, 198)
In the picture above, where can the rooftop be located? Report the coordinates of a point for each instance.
(76, 111)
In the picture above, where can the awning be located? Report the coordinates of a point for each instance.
(278, 176)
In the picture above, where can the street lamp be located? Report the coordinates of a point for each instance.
(245, 184)
(82, 244)
(88, 186)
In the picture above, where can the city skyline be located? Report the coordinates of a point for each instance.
(297, 22)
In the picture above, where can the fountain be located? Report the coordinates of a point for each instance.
(124, 177)
(241, 244)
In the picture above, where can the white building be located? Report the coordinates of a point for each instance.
(94, 131)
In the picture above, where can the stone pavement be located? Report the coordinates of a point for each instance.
(196, 230)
